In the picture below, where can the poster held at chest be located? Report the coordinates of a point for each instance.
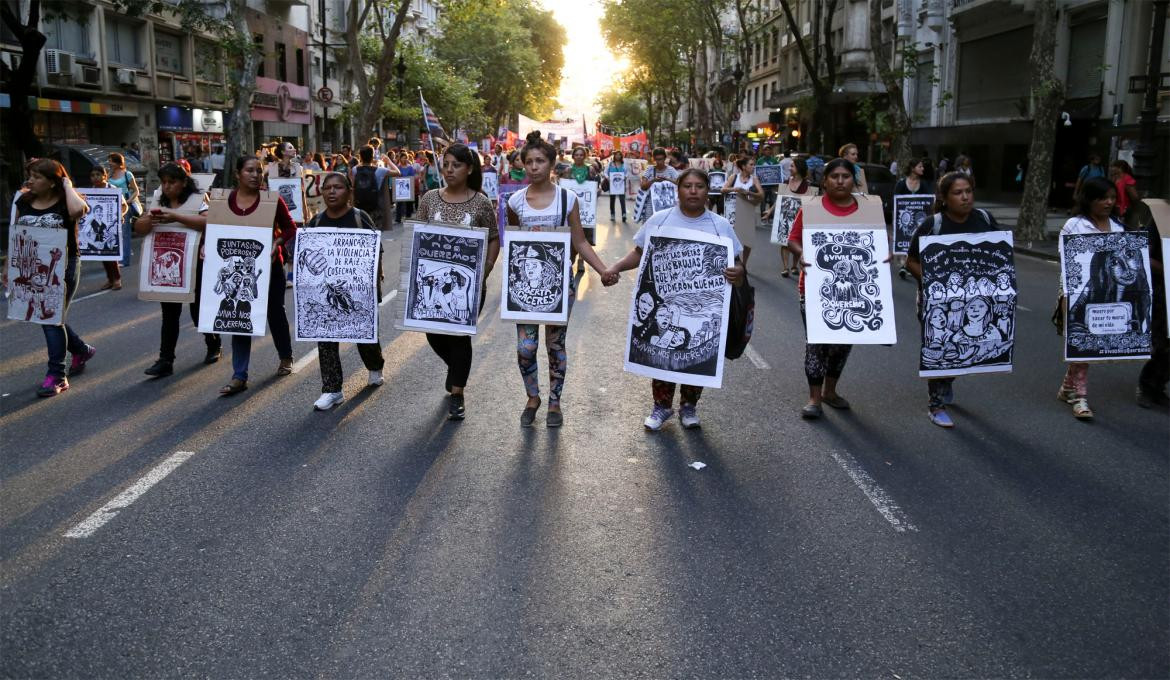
(491, 185)
(403, 188)
(586, 199)
(716, 178)
(769, 175)
(783, 216)
(37, 253)
(99, 231)
(729, 204)
(167, 274)
(291, 190)
(536, 286)
(663, 195)
(236, 271)
(847, 287)
(635, 167)
(677, 328)
(335, 287)
(909, 210)
(617, 184)
(1109, 305)
(968, 304)
(442, 280)
(203, 180)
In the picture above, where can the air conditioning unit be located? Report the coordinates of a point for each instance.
(142, 83)
(126, 78)
(91, 76)
(12, 59)
(182, 89)
(59, 63)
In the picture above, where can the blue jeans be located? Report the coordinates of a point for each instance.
(277, 323)
(127, 232)
(58, 339)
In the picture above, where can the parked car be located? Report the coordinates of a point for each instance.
(79, 159)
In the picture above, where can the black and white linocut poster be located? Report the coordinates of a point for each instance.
(37, 247)
(441, 286)
(99, 232)
(617, 184)
(1110, 304)
(968, 304)
(536, 287)
(847, 287)
(678, 317)
(715, 180)
(663, 195)
(491, 185)
(291, 189)
(234, 296)
(586, 199)
(783, 216)
(908, 212)
(335, 287)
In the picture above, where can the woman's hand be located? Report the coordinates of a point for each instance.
(734, 275)
(610, 277)
(163, 216)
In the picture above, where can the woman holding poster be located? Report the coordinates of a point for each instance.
(98, 179)
(746, 187)
(824, 364)
(243, 200)
(179, 203)
(539, 206)
(614, 174)
(657, 320)
(798, 185)
(460, 202)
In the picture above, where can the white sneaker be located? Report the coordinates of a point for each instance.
(376, 379)
(688, 416)
(328, 400)
(657, 417)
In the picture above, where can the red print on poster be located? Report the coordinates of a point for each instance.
(166, 260)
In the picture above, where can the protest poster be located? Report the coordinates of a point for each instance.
(314, 201)
(617, 183)
(716, 179)
(291, 190)
(442, 274)
(539, 267)
(335, 285)
(506, 191)
(784, 215)
(1160, 214)
(37, 249)
(909, 210)
(1109, 300)
(847, 286)
(586, 199)
(203, 180)
(729, 204)
(636, 167)
(769, 175)
(491, 185)
(663, 195)
(677, 327)
(99, 231)
(968, 304)
(234, 296)
(403, 188)
(170, 255)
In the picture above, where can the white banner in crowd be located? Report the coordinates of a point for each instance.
(573, 133)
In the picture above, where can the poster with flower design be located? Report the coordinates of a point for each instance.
(848, 298)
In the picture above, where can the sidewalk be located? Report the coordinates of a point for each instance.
(1007, 214)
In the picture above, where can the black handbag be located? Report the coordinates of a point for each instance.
(741, 319)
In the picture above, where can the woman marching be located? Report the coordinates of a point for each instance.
(823, 364)
(1096, 213)
(745, 185)
(659, 172)
(912, 183)
(124, 179)
(955, 213)
(243, 200)
(337, 191)
(462, 201)
(849, 152)
(51, 202)
(580, 172)
(179, 202)
(798, 185)
(617, 166)
(98, 179)
(538, 206)
(690, 213)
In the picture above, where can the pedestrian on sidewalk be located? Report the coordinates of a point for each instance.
(1096, 213)
(690, 213)
(1125, 187)
(746, 187)
(180, 203)
(51, 202)
(954, 213)
(98, 179)
(243, 200)
(824, 364)
(1091, 170)
(462, 201)
(539, 206)
(1156, 372)
(337, 191)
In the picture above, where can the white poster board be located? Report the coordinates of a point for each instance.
(403, 188)
(784, 216)
(1109, 306)
(335, 285)
(99, 231)
(491, 185)
(442, 277)
(663, 195)
(535, 288)
(169, 258)
(586, 199)
(37, 255)
(848, 300)
(617, 184)
(236, 271)
(292, 191)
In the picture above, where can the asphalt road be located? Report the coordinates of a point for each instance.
(380, 540)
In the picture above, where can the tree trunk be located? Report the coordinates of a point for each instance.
(1047, 95)
(18, 130)
(371, 111)
(900, 121)
(242, 86)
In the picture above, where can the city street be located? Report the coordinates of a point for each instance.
(150, 528)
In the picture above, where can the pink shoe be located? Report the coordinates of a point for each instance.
(77, 366)
(51, 387)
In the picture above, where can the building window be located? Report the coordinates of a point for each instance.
(300, 66)
(281, 62)
(775, 45)
(258, 40)
(316, 68)
(68, 34)
(168, 53)
(207, 61)
(124, 43)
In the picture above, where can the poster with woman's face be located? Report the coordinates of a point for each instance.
(535, 288)
(99, 231)
(1109, 312)
(441, 279)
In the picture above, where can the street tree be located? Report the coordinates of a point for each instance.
(899, 121)
(1047, 96)
(371, 77)
(620, 108)
(817, 54)
(453, 96)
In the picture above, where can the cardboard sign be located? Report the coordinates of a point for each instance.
(536, 285)
(717, 179)
(869, 215)
(784, 214)
(169, 258)
(99, 231)
(203, 180)
(403, 188)
(292, 191)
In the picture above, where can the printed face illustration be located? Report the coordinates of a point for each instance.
(954, 280)
(645, 306)
(935, 289)
(1002, 280)
(1124, 266)
(937, 318)
(662, 316)
(977, 310)
(532, 271)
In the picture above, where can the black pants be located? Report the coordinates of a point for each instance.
(455, 351)
(329, 357)
(716, 201)
(620, 197)
(1156, 372)
(172, 314)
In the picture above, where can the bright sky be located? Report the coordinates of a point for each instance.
(590, 65)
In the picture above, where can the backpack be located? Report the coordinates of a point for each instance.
(741, 319)
(365, 187)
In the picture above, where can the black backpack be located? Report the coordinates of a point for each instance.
(741, 319)
(365, 188)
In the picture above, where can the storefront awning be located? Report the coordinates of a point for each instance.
(59, 105)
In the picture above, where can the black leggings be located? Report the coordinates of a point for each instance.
(455, 351)
(172, 314)
(620, 197)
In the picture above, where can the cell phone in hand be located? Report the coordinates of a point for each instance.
(156, 211)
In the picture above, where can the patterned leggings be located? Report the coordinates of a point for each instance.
(664, 393)
(823, 361)
(527, 342)
(1076, 378)
(939, 389)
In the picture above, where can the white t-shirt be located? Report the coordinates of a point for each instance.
(1082, 225)
(532, 219)
(708, 222)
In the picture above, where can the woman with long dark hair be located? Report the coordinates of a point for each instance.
(461, 201)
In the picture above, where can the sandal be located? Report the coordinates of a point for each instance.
(285, 367)
(1081, 410)
(234, 386)
(107, 285)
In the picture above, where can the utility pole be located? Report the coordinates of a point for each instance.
(1143, 156)
(325, 46)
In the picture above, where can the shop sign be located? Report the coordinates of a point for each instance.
(278, 101)
(174, 119)
(206, 120)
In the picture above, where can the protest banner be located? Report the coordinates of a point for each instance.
(535, 288)
(335, 285)
(442, 275)
(99, 231)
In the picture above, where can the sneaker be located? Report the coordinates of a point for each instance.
(657, 417)
(941, 418)
(376, 379)
(455, 407)
(554, 419)
(328, 400)
(77, 366)
(1066, 394)
(1080, 408)
(213, 355)
(51, 387)
(688, 416)
(160, 369)
(812, 411)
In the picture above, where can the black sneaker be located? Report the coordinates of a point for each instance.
(213, 355)
(160, 369)
(455, 408)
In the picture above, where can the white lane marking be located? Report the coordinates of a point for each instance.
(123, 500)
(876, 494)
(92, 295)
(388, 297)
(756, 358)
(305, 361)
(1026, 309)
